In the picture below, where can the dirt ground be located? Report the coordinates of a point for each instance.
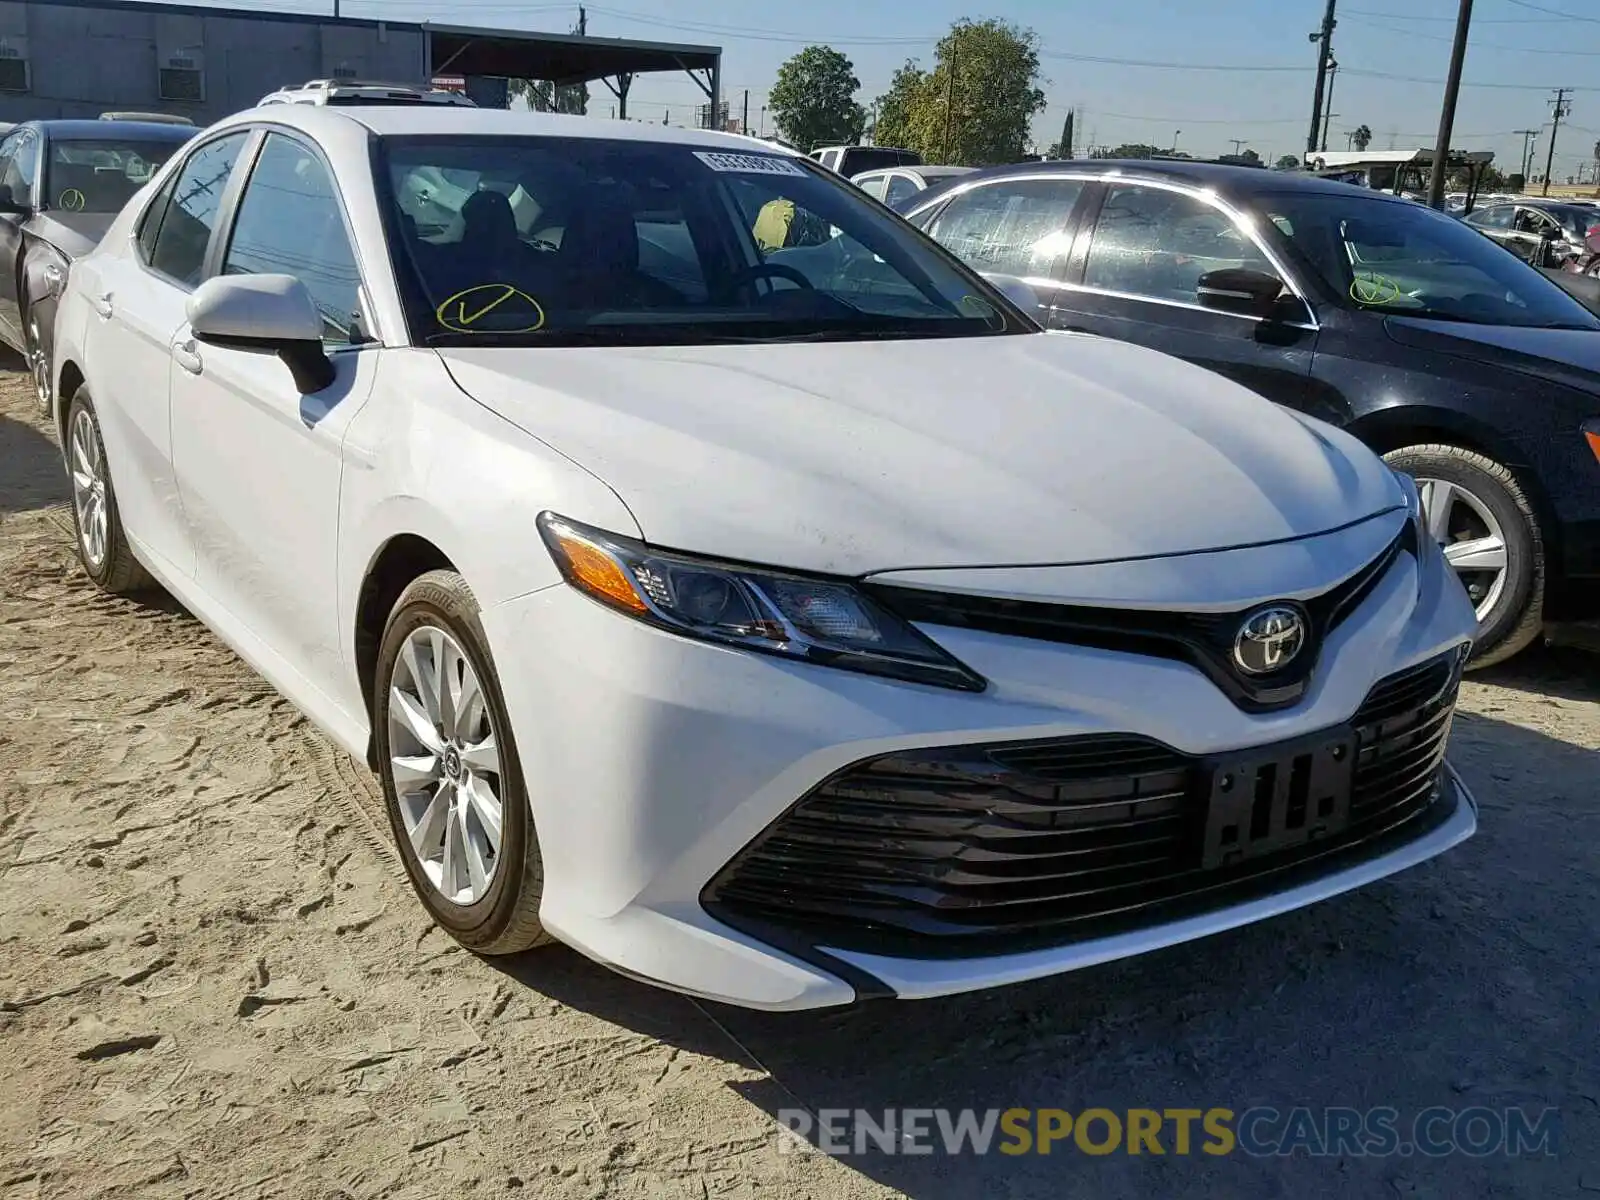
(215, 983)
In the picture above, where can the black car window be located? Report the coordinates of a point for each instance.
(185, 233)
(1013, 227)
(900, 190)
(100, 175)
(290, 223)
(1531, 221)
(1498, 217)
(1397, 257)
(1157, 243)
(22, 167)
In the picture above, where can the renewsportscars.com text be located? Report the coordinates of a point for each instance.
(1259, 1131)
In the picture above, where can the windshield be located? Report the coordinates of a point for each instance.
(544, 240)
(1390, 257)
(100, 176)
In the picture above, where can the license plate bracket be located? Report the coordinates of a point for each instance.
(1278, 797)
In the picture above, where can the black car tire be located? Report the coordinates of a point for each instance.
(38, 365)
(118, 571)
(505, 919)
(1517, 617)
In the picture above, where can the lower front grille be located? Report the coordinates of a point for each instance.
(980, 849)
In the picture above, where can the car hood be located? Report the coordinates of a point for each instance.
(73, 233)
(856, 457)
(1570, 357)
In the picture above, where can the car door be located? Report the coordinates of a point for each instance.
(902, 189)
(1135, 277)
(259, 464)
(19, 170)
(1013, 229)
(138, 299)
(1529, 230)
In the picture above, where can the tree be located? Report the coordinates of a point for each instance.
(893, 124)
(977, 104)
(1288, 163)
(1361, 138)
(813, 100)
(1129, 150)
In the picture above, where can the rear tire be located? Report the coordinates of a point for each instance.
(447, 762)
(1486, 504)
(101, 540)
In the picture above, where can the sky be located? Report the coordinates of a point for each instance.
(1194, 73)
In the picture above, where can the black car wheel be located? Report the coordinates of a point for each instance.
(38, 358)
(447, 761)
(1480, 516)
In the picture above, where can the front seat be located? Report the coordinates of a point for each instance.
(599, 258)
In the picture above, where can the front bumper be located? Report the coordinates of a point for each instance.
(653, 761)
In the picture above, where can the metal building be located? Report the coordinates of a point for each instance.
(79, 58)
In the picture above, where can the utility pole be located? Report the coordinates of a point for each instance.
(744, 121)
(1528, 136)
(1447, 112)
(1237, 144)
(949, 100)
(1066, 135)
(1175, 134)
(1324, 40)
(1327, 112)
(583, 22)
(1559, 107)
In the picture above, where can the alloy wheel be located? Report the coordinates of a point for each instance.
(445, 761)
(89, 487)
(38, 363)
(1474, 544)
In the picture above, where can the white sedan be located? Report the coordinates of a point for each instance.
(724, 580)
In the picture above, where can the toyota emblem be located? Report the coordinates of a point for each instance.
(1269, 639)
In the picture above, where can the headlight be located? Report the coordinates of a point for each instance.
(826, 621)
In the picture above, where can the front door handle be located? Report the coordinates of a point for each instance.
(102, 304)
(187, 355)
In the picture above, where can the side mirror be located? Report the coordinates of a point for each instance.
(1240, 290)
(272, 314)
(10, 206)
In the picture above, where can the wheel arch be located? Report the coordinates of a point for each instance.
(1395, 428)
(402, 558)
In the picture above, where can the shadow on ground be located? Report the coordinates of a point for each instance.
(1567, 672)
(1466, 982)
(30, 464)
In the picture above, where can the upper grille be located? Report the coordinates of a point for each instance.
(1203, 639)
(977, 849)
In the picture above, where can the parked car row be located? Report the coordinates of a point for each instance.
(1459, 364)
(725, 579)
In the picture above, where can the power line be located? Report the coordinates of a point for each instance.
(1554, 12)
(1438, 37)
(1394, 16)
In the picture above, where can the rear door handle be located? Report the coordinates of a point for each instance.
(102, 304)
(187, 355)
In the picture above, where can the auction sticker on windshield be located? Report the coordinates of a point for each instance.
(748, 164)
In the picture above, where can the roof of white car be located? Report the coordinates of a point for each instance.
(422, 120)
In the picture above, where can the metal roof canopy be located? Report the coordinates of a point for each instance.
(568, 58)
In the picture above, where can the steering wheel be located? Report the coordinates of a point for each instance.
(767, 270)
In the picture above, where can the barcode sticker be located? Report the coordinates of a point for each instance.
(747, 164)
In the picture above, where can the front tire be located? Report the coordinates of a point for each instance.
(1480, 515)
(38, 359)
(101, 540)
(447, 761)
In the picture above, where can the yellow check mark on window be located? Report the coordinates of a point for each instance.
(461, 312)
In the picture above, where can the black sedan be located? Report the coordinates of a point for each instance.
(62, 183)
(1461, 365)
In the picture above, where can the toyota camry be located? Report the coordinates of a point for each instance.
(723, 579)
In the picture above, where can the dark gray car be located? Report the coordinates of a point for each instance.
(1542, 233)
(62, 183)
